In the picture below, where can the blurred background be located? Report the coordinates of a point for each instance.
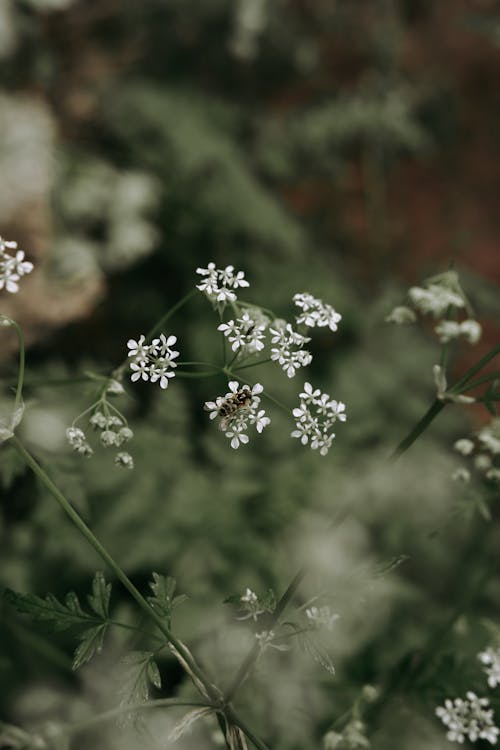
(348, 149)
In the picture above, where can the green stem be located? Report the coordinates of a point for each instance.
(20, 374)
(456, 388)
(480, 381)
(231, 716)
(252, 656)
(110, 562)
(252, 364)
(435, 408)
(159, 325)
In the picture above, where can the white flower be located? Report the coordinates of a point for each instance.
(124, 460)
(490, 657)
(288, 350)
(435, 299)
(12, 267)
(244, 333)
(154, 361)
(237, 410)
(315, 312)
(314, 418)
(401, 315)
(451, 329)
(218, 284)
(493, 474)
(251, 605)
(461, 475)
(469, 718)
(78, 441)
(464, 446)
(482, 462)
(322, 617)
(489, 436)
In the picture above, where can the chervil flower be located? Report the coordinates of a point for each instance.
(287, 349)
(153, 361)
(451, 329)
(490, 658)
(219, 283)
(469, 718)
(315, 417)
(244, 333)
(250, 605)
(78, 441)
(237, 410)
(464, 446)
(315, 312)
(12, 267)
(489, 436)
(401, 315)
(435, 299)
(124, 460)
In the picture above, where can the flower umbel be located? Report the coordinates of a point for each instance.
(154, 361)
(244, 334)
(12, 267)
(219, 283)
(315, 417)
(469, 718)
(287, 349)
(315, 312)
(237, 410)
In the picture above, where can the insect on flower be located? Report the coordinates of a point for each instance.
(237, 402)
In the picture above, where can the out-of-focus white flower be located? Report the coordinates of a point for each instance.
(447, 330)
(461, 475)
(287, 349)
(315, 417)
(238, 409)
(435, 298)
(124, 460)
(468, 718)
(153, 361)
(464, 446)
(251, 605)
(401, 315)
(219, 283)
(315, 312)
(12, 267)
(78, 441)
(490, 658)
(489, 436)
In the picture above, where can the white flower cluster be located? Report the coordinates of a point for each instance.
(447, 330)
(315, 417)
(12, 267)
(321, 617)
(315, 312)
(153, 361)
(470, 718)
(484, 453)
(113, 433)
(244, 333)
(237, 410)
(490, 658)
(437, 297)
(353, 737)
(287, 349)
(219, 283)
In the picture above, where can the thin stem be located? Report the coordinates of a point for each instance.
(252, 364)
(435, 408)
(110, 562)
(231, 716)
(114, 712)
(480, 381)
(159, 325)
(456, 388)
(252, 656)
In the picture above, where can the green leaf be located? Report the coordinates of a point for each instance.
(99, 598)
(62, 615)
(163, 600)
(139, 673)
(91, 643)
